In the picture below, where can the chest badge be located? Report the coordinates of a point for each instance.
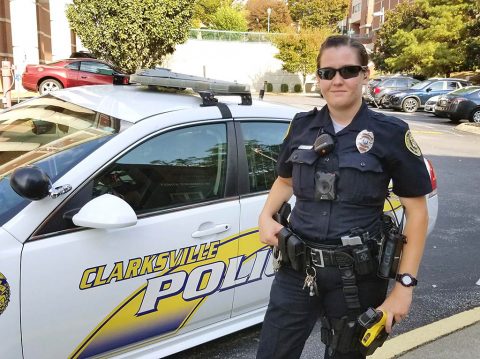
(364, 141)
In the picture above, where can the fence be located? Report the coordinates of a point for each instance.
(223, 35)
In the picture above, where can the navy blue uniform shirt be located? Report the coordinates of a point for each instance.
(370, 151)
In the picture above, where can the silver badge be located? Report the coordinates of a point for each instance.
(364, 141)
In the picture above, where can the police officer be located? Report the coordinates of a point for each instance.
(338, 162)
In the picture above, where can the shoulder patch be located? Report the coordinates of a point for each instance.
(306, 114)
(411, 144)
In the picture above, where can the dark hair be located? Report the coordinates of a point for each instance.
(343, 40)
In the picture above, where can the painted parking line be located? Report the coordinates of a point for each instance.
(478, 282)
(426, 334)
(422, 132)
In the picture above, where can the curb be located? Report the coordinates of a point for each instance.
(469, 127)
(426, 334)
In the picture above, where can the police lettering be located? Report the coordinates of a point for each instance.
(153, 263)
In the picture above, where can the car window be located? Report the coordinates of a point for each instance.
(437, 86)
(180, 167)
(421, 85)
(49, 133)
(402, 82)
(452, 85)
(73, 65)
(387, 83)
(95, 67)
(262, 146)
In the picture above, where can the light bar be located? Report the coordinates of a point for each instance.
(167, 78)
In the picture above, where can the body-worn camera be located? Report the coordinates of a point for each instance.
(324, 186)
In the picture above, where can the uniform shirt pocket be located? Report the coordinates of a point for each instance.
(361, 179)
(303, 173)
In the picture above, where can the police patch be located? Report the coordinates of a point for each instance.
(411, 144)
(364, 141)
(4, 293)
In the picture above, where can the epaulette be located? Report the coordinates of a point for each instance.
(306, 114)
(389, 120)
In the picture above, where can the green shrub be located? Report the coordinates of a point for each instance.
(284, 88)
(269, 87)
(297, 88)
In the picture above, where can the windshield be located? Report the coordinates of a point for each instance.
(49, 133)
(421, 85)
(465, 90)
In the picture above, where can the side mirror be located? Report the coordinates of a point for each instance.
(31, 183)
(428, 89)
(106, 211)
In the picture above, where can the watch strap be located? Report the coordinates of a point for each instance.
(399, 278)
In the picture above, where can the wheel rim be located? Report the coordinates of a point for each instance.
(49, 87)
(476, 116)
(410, 105)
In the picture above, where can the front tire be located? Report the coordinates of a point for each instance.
(410, 105)
(475, 116)
(49, 85)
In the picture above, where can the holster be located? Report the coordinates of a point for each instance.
(292, 249)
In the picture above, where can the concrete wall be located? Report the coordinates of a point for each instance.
(245, 62)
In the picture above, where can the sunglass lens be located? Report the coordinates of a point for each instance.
(326, 73)
(347, 72)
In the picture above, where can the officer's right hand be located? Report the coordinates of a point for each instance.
(268, 229)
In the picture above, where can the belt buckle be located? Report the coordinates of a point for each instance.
(319, 262)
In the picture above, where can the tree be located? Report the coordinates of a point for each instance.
(229, 18)
(318, 13)
(205, 9)
(258, 17)
(406, 16)
(131, 34)
(425, 37)
(298, 52)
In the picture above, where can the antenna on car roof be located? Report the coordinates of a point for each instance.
(205, 87)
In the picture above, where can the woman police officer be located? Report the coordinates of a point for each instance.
(339, 189)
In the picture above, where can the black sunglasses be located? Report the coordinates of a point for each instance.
(347, 72)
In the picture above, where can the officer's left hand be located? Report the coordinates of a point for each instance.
(397, 305)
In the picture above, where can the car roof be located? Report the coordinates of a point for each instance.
(133, 103)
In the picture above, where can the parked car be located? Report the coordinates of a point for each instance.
(461, 104)
(430, 104)
(128, 217)
(70, 73)
(415, 97)
(391, 84)
(368, 89)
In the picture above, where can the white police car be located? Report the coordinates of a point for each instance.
(135, 234)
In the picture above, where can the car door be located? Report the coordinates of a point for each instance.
(434, 89)
(94, 73)
(87, 291)
(72, 74)
(259, 146)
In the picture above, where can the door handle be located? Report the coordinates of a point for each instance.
(219, 228)
(83, 77)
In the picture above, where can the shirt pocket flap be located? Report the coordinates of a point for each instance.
(361, 162)
(307, 157)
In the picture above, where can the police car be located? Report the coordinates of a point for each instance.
(128, 217)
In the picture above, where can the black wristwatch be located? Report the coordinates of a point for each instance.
(407, 280)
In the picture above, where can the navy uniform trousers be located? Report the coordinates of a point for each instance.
(292, 312)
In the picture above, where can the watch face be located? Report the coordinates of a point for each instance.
(407, 280)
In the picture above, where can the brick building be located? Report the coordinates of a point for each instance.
(365, 17)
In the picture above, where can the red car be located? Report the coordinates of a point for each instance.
(70, 73)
